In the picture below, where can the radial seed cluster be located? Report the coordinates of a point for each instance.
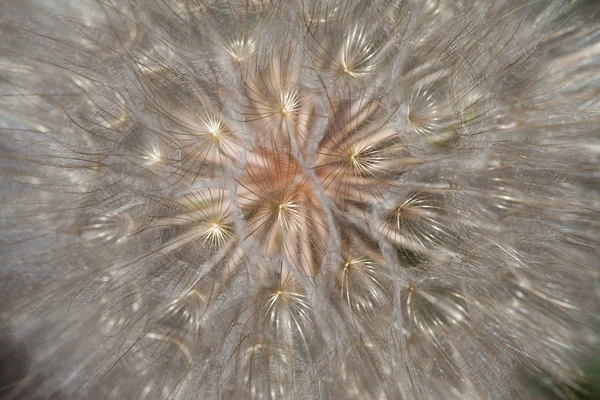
(276, 199)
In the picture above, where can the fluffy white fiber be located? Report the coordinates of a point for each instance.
(298, 199)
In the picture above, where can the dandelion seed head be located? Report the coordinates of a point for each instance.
(320, 199)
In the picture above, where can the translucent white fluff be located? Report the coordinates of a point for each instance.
(333, 199)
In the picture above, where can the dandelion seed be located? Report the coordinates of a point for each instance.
(153, 157)
(241, 49)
